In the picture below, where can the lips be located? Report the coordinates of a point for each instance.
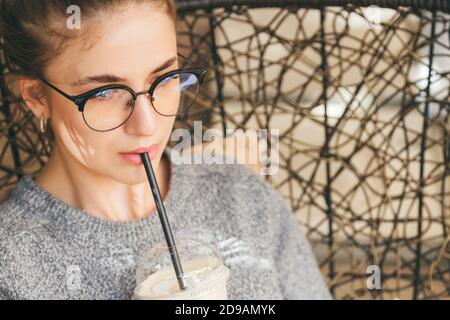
(144, 149)
(134, 156)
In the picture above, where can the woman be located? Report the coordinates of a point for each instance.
(78, 229)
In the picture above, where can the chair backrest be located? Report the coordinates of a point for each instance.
(354, 101)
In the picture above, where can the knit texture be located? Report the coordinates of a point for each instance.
(52, 250)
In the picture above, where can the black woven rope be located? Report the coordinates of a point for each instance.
(188, 5)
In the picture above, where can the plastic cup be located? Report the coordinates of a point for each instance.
(204, 273)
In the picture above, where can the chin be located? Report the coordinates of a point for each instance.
(135, 174)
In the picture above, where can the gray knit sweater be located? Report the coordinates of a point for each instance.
(51, 250)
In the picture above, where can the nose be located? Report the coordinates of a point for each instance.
(143, 121)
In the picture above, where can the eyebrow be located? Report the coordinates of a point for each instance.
(108, 78)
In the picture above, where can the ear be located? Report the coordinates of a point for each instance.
(33, 94)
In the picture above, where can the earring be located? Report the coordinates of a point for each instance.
(43, 124)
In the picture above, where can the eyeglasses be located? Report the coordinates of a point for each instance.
(108, 107)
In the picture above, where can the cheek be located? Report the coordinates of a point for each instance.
(67, 121)
(166, 127)
(75, 137)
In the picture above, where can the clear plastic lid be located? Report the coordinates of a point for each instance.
(201, 263)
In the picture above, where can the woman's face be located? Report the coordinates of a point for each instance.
(129, 45)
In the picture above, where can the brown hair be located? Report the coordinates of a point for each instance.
(31, 36)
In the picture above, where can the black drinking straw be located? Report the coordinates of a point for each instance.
(164, 221)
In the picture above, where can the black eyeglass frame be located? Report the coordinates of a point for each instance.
(80, 100)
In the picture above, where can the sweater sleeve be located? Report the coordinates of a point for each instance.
(3, 295)
(299, 275)
(5, 274)
(3, 286)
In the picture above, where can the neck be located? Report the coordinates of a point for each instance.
(74, 184)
